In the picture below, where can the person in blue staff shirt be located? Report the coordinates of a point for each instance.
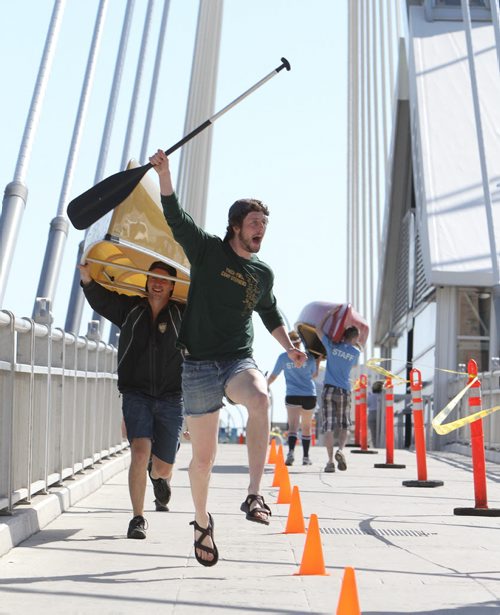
(300, 398)
(336, 397)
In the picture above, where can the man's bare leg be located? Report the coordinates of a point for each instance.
(140, 450)
(249, 388)
(342, 437)
(328, 438)
(161, 469)
(203, 431)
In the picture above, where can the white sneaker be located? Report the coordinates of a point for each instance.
(306, 461)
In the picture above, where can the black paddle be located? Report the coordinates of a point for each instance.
(85, 209)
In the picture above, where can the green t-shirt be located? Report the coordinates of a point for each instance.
(225, 290)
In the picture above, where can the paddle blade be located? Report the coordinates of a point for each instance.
(93, 204)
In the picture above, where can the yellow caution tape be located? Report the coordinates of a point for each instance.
(438, 420)
(374, 364)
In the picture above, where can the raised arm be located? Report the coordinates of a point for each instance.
(161, 166)
(110, 304)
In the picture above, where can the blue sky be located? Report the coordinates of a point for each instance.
(285, 144)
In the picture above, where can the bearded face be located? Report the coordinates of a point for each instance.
(249, 236)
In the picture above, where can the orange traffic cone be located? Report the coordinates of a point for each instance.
(272, 452)
(348, 600)
(312, 558)
(280, 454)
(295, 523)
(285, 493)
(279, 470)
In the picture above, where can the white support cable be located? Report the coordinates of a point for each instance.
(369, 247)
(383, 30)
(194, 165)
(363, 191)
(390, 48)
(154, 81)
(480, 141)
(88, 81)
(349, 150)
(495, 18)
(376, 98)
(137, 84)
(115, 90)
(39, 91)
(16, 192)
(355, 139)
(398, 22)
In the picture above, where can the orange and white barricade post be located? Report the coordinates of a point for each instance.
(363, 418)
(477, 447)
(419, 430)
(356, 393)
(389, 428)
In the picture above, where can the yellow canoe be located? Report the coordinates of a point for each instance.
(121, 246)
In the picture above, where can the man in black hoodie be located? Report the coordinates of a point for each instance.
(149, 379)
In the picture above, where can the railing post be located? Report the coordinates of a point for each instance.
(27, 356)
(7, 439)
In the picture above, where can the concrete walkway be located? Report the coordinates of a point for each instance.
(410, 553)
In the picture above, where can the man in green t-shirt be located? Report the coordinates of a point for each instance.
(228, 283)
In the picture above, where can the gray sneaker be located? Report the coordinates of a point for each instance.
(330, 467)
(290, 458)
(341, 462)
(306, 461)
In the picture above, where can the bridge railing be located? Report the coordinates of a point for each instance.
(59, 407)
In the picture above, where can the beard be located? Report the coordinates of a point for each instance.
(249, 244)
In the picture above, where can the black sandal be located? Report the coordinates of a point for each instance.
(205, 531)
(261, 507)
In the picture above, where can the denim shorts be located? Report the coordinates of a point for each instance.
(157, 419)
(204, 383)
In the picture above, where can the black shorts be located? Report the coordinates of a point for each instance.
(306, 402)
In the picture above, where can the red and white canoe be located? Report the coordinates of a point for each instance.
(332, 319)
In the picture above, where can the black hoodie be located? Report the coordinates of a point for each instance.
(148, 359)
